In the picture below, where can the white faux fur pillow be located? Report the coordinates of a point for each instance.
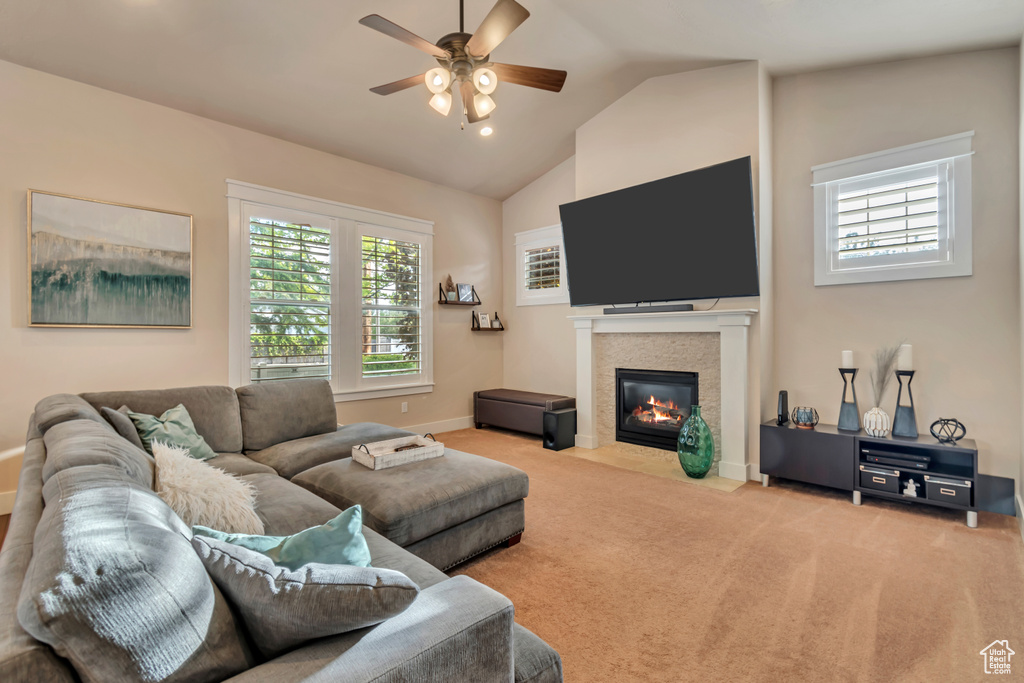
(204, 495)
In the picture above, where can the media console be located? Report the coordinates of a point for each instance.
(946, 475)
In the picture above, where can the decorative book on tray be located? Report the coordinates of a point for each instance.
(401, 451)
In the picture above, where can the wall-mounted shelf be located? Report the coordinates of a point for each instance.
(475, 326)
(442, 298)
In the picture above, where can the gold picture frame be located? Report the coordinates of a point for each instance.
(99, 264)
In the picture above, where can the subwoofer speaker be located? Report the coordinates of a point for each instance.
(559, 429)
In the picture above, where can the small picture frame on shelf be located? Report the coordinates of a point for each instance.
(465, 292)
(485, 320)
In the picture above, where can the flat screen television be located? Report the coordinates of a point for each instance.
(689, 236)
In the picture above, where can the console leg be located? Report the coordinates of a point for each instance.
(515, 539)
(764, 480)
(972, 519)
(479, 425)
(856, 497)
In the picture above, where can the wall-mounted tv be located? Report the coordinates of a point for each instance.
(689, 236)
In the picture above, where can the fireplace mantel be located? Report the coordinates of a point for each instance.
(733, 327)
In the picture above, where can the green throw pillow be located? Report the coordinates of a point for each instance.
(174, 428)
(339, 541)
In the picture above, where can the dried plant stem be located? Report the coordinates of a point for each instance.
(881, 374)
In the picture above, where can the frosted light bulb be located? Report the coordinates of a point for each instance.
(437, 80)
(484, 104)
(441, 103)
(485, 80)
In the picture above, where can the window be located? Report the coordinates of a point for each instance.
(391, 340)
(330, 291)
(896, 215)
(540, 269)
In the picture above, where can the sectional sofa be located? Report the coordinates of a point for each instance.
(104, 574)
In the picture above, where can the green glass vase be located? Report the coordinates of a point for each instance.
(696, 445)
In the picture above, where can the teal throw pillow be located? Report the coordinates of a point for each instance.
(174, 428)
(339, 541)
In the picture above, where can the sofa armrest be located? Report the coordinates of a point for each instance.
(458, 631)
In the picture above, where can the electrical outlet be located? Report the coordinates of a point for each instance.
(405, 407)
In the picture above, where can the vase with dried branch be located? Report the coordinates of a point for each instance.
(876, 420)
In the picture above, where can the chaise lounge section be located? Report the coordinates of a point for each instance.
(277, 437)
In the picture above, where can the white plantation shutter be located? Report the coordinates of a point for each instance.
(540, 277)
(542, 267)
(289, 300)
(392, 330)
(893, 218)
(895, 215)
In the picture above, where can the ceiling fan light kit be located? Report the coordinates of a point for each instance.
(465, 59)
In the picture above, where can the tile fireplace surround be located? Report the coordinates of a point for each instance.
(689, 347)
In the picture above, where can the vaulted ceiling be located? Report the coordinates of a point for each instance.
(301, 69)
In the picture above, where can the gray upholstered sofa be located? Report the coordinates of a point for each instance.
(85, 486)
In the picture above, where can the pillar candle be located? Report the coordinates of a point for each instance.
(847, 359)
(905, 360)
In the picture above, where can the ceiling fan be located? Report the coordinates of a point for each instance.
(464, 61)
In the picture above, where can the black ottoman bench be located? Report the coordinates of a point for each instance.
(521, 411)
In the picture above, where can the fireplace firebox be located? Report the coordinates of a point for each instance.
(652, 405)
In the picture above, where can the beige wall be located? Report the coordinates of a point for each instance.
(62, 136)
(965, 331)
(540, 342)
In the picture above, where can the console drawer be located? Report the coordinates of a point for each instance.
(880, 479)
(955, 491)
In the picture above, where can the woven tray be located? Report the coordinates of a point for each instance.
(394, 452)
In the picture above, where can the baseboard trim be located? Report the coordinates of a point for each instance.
(442, 425)
(7, 502)
(583, 441)
(731, 470)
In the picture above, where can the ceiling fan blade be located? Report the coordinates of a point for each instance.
(531, 76)
(466, 90)
(504, 17)
(389, 28)
(405, 83)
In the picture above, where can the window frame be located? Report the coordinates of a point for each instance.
(550, 236)
(954, 231)
(348, 223)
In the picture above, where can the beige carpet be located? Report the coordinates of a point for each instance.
(633, 577)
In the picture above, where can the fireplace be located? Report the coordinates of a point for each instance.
(651, 405)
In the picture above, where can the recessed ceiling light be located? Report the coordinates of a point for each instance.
(486, 130)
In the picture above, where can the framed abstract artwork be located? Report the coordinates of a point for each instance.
(93, 263)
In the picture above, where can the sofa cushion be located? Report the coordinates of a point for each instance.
(58, 408)
(337, 541)
(175, 428)
(123, 424)
(287, 508)
(273, 412)
(214, 410)
(291, 457)
(115, 588)
(536, 661)
(283, 607)
(201, 494)
(84, 442)
(413, 501)
(239, 465)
